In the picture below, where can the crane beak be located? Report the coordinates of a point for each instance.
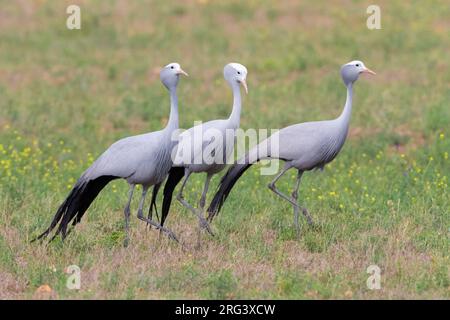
(181, 71)
(244, 84)
(367, 70)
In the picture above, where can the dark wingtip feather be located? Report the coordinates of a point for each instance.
(175, 176)
(226, 184)
(75, 205)
(60, 212)
(153, 202)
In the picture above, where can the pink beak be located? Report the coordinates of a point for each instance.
(369, 71)
(244, 84)
(181, 71)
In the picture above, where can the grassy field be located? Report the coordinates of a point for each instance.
(65, 96)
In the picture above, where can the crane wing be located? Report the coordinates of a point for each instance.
(124, 156)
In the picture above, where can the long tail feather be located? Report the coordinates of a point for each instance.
(175, 176)
(153, 202)
(226, 184)
(59, 213)
(261, 151)
(75, 205)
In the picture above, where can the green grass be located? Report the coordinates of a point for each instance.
(65, 96)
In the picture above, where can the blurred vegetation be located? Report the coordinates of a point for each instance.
(66, 95)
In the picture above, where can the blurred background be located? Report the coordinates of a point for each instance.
(66, 95)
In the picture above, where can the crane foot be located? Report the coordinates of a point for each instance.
(308, 217)
(205, 225)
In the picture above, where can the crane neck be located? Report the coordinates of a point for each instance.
(347, 112)
(235, 115)
(172, 124)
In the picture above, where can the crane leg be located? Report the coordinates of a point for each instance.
(140, 216)
(127, 216)
(292, 200)
(202, 203)
(153, 203)
(142, 201)
(180, 197)
(297, 208)
(295, 197)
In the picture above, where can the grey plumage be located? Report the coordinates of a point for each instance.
(303, 146)
(143, 159)
(235, 74)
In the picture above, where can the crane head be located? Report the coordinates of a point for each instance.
(351, 71)
(236, 73)
(169, 75)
